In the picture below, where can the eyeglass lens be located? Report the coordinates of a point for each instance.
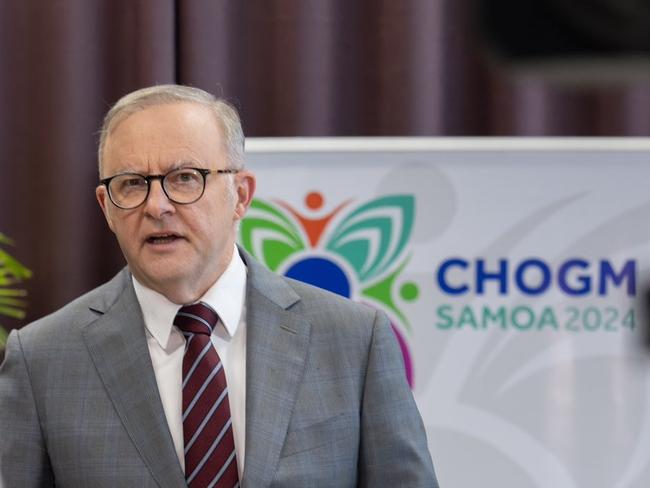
(184, 185)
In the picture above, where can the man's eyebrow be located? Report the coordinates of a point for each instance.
(126, 170)
(183, 163)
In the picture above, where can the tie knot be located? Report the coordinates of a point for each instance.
(197, 318)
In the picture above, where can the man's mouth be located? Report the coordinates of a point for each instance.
(162, 238)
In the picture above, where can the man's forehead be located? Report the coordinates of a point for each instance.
(157, 116)
(171, 134)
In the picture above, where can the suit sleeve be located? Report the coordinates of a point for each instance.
(23, 458)
(393, 450)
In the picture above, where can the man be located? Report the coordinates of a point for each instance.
(256, 381)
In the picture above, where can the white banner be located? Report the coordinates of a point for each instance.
(514, 273)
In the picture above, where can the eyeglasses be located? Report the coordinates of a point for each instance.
(182, 185)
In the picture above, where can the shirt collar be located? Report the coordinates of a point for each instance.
(226, 296)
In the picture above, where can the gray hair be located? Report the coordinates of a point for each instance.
(224, 112)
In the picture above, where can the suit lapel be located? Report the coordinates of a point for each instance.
(118, 348)
(276, 350)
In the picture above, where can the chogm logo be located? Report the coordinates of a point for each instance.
(357, 250)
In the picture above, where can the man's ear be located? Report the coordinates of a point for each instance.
(245, 187)
(102, 197)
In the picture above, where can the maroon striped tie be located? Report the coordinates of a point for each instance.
(207, 431)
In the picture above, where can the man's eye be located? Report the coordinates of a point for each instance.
(131, 182)
(184, 177)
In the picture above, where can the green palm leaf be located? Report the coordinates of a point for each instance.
(12, 273)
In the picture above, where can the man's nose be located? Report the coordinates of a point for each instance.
(157, 203)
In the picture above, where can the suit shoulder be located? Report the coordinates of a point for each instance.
(309, 292)
(74, 315)
(305, 298)
(323, 305)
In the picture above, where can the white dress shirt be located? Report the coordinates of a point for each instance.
(167, 345)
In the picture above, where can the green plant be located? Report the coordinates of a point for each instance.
(12, 298)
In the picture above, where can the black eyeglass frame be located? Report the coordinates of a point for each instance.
(148, 178)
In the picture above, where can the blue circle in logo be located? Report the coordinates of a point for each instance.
(322, 273)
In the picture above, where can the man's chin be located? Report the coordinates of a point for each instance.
(160, 279)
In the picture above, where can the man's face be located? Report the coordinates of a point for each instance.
(177, 250)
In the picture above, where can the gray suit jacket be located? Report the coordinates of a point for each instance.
(327, 403)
